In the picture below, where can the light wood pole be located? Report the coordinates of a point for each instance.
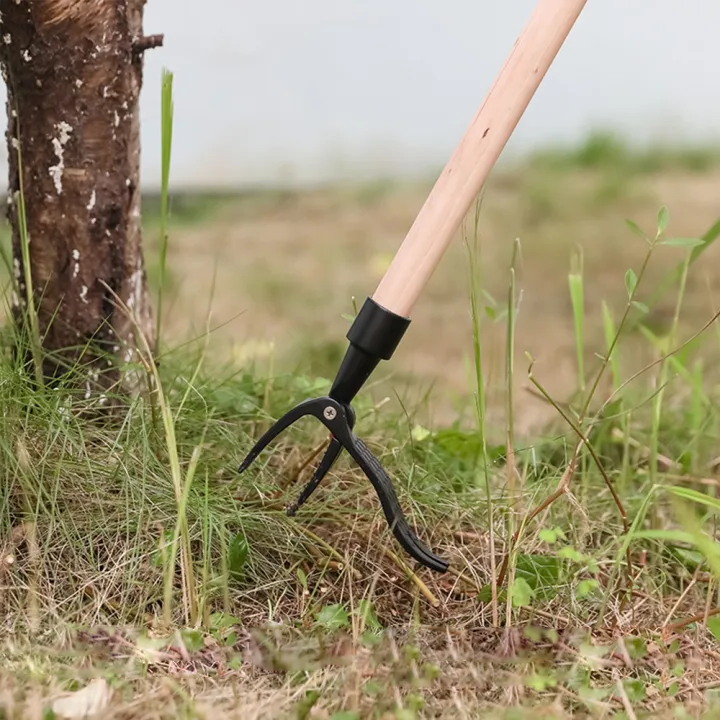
(475, 156)
(383, 319)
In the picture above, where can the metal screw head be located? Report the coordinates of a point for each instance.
(330, 412)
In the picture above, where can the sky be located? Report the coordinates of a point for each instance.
(288, 92)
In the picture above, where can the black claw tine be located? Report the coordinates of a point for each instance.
(391, 507)
(331, 455)
(339, 419)
(382, 483)
(304, 408)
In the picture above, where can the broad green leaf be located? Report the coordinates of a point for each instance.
(642, 307)
(548, 536)
(415, 703)
(485, 594)
(237, 555)
(430, 671)
(540, 572)
(713, 625)
(585, 587)
(373, 687)
(570, 553)
(222, 621)
(304, 707)
(522, 594)
(663, 220)
(636, 647)
(552, 635)
(634, 689)
(551, 535)
(630, 282)
(192, 639)
(333, 617)
(541, 682)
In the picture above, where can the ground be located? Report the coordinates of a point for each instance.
(141, 574)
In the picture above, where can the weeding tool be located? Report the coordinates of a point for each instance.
(385, 316)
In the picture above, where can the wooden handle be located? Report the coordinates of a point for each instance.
(477, 153)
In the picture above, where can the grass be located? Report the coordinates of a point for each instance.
(607, 150)
(584, 559)
(166, 145)
(287, 613)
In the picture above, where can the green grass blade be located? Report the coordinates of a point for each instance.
(167, 111)
(577, 297)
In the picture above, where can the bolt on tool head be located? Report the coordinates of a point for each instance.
(383, 318)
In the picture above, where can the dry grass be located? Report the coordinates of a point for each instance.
(322, 617)
(444, 672)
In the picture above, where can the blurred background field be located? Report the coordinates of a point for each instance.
(275, 274)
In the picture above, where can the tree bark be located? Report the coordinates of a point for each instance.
(73, 71)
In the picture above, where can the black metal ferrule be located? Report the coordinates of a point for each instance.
(374, 336)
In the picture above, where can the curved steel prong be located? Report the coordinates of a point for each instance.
(339, 419)
(331, 455)
(391, 506)
(338, 425)
(308, 407)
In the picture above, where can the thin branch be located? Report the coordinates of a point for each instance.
(147, 42)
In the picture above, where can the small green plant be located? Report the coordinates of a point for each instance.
(333, 617)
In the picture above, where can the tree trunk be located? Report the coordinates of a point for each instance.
(73, 71)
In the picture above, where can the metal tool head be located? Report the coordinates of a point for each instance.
(339, 419)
